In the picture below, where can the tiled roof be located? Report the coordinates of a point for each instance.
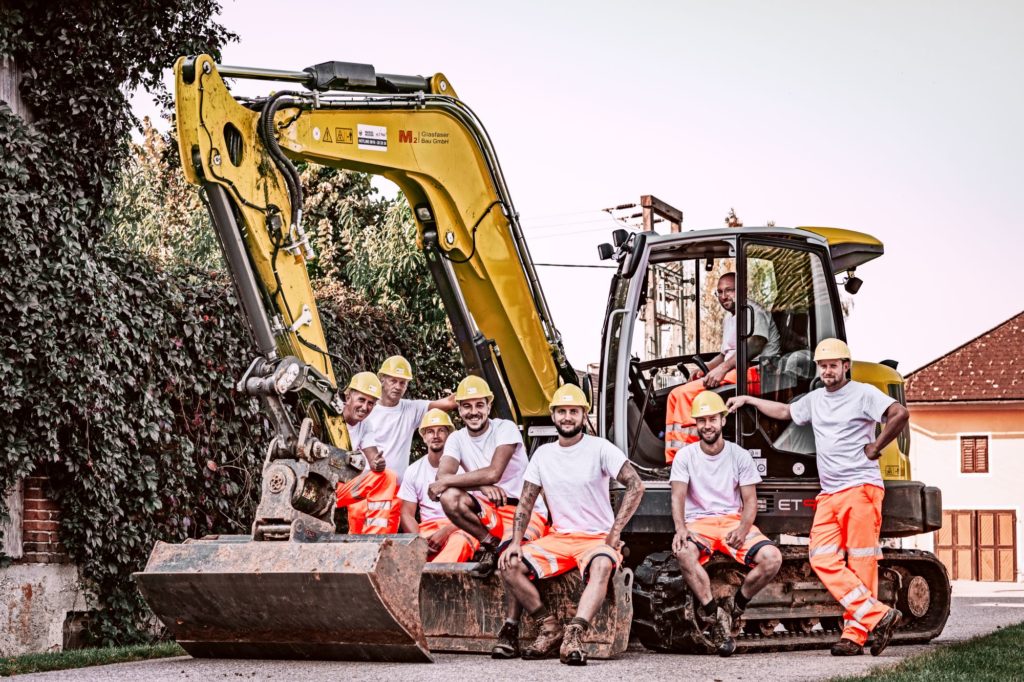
(988, 367)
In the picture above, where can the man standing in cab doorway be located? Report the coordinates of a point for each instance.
(844, 549)
(714, 502)
(574, 474)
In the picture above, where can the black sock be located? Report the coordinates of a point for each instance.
(582, 622)
(709, 608)
(741, 601)
(540, 614)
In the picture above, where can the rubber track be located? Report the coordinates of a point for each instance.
(660, 619)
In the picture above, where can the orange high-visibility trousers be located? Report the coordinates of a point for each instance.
(680, 428)
(370, 498)
(459, 546)
(844, 552)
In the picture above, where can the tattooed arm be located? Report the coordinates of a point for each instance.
(630, 501)
(524, 511)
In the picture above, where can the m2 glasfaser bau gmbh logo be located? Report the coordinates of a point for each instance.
(372, 138)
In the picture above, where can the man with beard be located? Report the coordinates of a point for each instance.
(714, 502)
(393, 422)
(494, 458)
(445, 542)
(573, 474)
(844, 547)
(763, 341)
(376, 486)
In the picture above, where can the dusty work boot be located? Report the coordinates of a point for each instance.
(735, 616)
(572, 651)
(847, 647)
(883, 631)
(548, 640)
(507, 645)
(486, 561)
(721, 633)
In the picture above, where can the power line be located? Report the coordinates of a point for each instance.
(574, 265)
(566, 234)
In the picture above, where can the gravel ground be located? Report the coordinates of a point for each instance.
(971, 616)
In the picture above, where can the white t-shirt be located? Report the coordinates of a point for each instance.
(418, 478)
(575, 483)
(764, 327)
(476, 453)
(843, 422)
(713, 482)
(395, 428)
(361, 436)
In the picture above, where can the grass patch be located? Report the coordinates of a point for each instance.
(82, 658)
(996, 656)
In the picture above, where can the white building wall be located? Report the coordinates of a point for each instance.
(935, 460)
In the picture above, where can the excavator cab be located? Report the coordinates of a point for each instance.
(777, 283)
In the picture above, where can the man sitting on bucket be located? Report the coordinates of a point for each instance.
(573, 474)
(492, 453)
(445, 542)
(714, 502)
(376, 486)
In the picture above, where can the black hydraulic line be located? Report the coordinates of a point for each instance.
(283, 163)
(241, 270)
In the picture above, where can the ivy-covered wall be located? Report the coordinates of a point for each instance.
(117, 371)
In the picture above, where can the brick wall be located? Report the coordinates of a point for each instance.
(41, 524)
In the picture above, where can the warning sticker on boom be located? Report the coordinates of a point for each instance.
(374, 138)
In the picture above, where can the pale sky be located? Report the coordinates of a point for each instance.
(900, 119)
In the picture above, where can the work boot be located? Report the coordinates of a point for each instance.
(487, 562)
(572, 651)
(721, 635)
(847, 647)
(507, 645)
(883, 631)
(548, 640)
(735, 616)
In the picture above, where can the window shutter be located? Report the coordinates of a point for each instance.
(966, 454)
(981, 454)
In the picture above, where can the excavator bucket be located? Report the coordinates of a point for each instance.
(463, 614)
(346, 597)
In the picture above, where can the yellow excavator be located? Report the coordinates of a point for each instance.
(294, 588)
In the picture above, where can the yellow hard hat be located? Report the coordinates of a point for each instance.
(436, 417)
(570, 395)
(832, 349)
(396, 366)
(472, 387)
(366, 382)
(706, 404)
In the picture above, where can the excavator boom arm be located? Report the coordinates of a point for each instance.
(417, 133)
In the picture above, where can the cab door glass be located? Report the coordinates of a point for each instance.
(789, 308)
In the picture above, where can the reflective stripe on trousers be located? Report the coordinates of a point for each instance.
(853, 515)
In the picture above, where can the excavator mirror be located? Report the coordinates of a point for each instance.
(619, 237)
(853, 284)
(605, 251)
